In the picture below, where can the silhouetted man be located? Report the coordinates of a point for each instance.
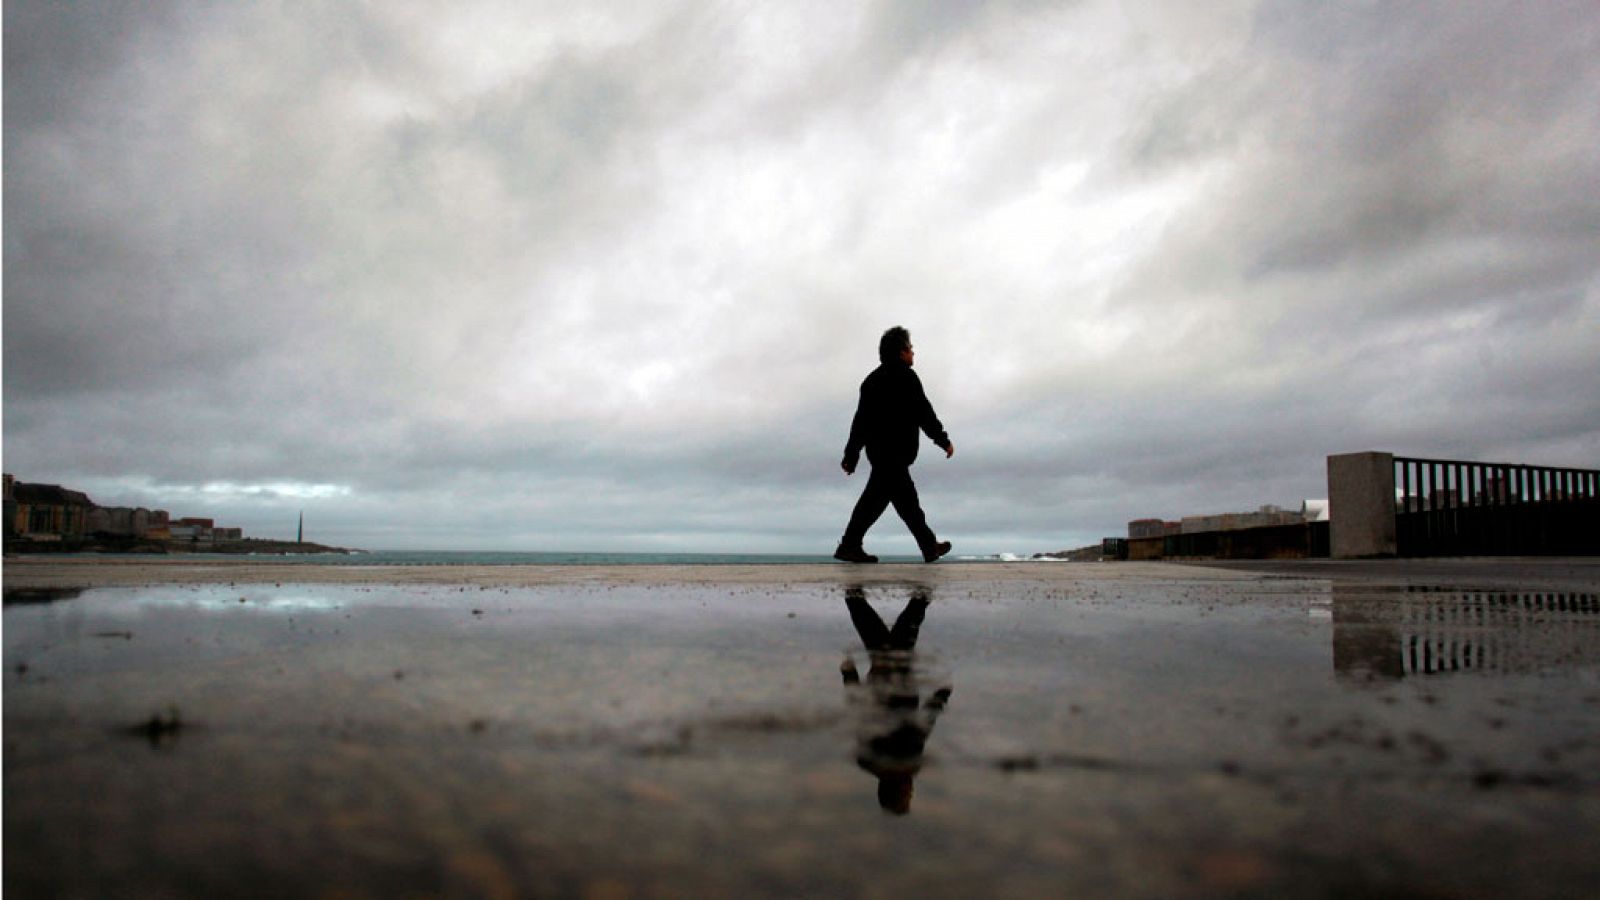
(892, 409)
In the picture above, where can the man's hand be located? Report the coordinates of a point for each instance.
(848, 468)
(949, 449)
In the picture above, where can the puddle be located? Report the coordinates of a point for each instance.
(1099, 737)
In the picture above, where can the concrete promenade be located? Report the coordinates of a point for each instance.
(1011, 730)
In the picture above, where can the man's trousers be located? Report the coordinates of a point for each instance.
(885, 486)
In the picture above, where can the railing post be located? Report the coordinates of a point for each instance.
(1361, 505)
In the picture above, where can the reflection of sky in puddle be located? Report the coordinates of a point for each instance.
(299, 602)
(132, 602)
(1112, 677)
(1105, 727)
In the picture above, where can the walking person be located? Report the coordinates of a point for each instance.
(892, 409)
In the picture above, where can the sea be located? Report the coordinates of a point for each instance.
(505, 558)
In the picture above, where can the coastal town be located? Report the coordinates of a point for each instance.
(51, 518)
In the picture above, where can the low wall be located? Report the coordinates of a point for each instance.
(1268, 542)
(1301, 540)
(1144, 549)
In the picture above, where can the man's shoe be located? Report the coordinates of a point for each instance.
(853, 554)
(938, 550)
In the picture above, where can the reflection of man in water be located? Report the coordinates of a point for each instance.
(892, 720)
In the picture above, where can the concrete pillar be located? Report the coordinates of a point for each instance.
(1361, 505)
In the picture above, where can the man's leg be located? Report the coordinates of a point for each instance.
(904, 634)
(906, 503)
(875, 498)
(869, 625)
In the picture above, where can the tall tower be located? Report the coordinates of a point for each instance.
(300, 533)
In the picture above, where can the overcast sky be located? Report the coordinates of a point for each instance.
(589, 276)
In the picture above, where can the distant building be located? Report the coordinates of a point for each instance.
(199, 531)
(1152, 528)
(48, 512)
(1144, 528)
(121, 521)
(1265, 517)
(45, 511)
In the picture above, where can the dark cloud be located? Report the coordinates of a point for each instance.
(497, 276)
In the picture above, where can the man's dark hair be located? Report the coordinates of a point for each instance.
(893, 341)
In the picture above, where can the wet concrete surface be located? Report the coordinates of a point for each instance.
(1235, 734)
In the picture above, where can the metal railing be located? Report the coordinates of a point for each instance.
(1458, 508)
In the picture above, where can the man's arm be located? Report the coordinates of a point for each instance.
(928, 420)
(858, 435)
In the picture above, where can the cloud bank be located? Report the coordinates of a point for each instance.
(607, 276)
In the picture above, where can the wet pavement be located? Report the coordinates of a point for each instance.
(1233, 734)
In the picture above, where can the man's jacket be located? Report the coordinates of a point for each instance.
(893, 408)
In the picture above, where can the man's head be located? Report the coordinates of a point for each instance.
(894, 792)
(895, 345)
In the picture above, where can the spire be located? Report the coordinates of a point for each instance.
(300, 534)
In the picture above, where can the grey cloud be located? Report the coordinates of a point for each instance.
(58, 53)
(618, 287)
(1392, 172)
